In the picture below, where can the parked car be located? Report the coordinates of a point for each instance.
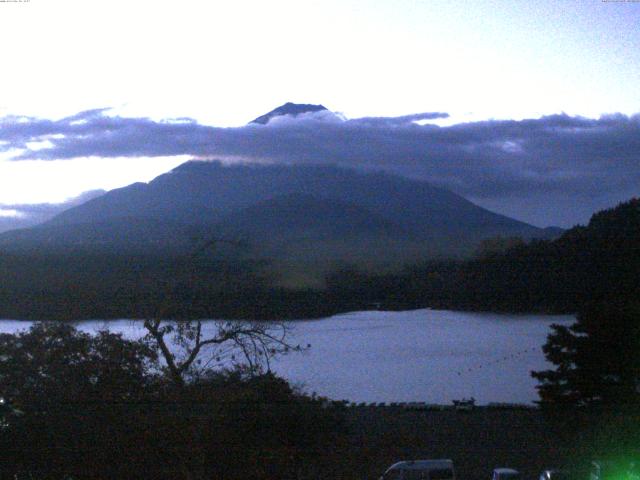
(420, 470)
(505, 474)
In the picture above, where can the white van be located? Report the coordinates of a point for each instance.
(505, 474)
(420, 470)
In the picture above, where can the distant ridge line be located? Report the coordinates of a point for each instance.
(288, 108)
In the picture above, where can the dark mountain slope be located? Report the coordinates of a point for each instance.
(275, 208)
(132, 235)
(207, 192)
(307, 217)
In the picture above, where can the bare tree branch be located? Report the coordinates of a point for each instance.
(183, 344)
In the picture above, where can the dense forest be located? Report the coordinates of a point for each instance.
(587, 263)
(105, 286)
(599, 260)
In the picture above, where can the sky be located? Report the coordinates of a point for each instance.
(528, 108)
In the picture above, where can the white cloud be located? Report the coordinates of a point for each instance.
(11, 213)
(575, 160)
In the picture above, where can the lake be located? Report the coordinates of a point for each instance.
(431, 356)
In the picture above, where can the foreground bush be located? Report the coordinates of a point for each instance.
(95, 407)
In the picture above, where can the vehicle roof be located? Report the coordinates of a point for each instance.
(421, 464)
(505, 470)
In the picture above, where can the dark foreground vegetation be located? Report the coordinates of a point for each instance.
(92, 407)
(529, 440)
(79, 406)
(599, 260)
(101, 407)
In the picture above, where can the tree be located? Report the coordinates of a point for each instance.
(597, 358)
(79, 405)
(192, 348)
(54, 362)
(70, 394)
(493, 246)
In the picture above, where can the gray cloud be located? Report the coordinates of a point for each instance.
(33, 214)
(553, 158)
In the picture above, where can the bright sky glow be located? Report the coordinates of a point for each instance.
(9, 212)
(226, 62)
(54, 182)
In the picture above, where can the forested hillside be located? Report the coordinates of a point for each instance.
(600, 260)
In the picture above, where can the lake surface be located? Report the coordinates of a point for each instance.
(431, 356)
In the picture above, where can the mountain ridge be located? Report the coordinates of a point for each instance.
(289, 108)
(289, 214)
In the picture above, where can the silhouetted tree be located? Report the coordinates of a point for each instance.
(597, 359)
(73, 397)
(83, 406)
(53, 362)
(193, 348)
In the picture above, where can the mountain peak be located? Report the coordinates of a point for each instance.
(289, 108)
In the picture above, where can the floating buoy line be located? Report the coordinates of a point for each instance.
(498, 361)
